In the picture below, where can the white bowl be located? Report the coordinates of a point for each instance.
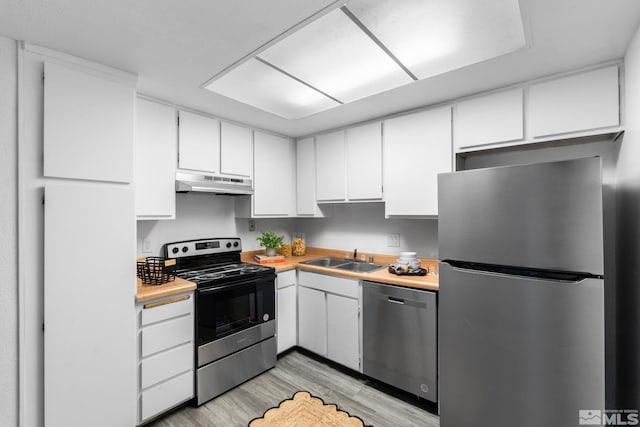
(408, 254)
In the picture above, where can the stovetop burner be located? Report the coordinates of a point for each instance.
(213, 274)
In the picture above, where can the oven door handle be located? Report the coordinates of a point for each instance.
(222, 288)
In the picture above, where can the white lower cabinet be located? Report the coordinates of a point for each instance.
(165, 354)
(286, 306)
(312, 320)
(329, 317)
(343, 334)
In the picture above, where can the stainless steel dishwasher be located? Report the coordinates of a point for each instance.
(400, 338)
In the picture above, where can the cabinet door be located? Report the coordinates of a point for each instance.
(90, 318)
(489, 119)
(156, 152)
(88, 126)
(236, 150)
(417, 147)
(312, 320)
(306, 174)
(199, 143)
(575, 103)
(274, 184)
(364, 162)
(343, 338)
(330, 167)
(286, 318)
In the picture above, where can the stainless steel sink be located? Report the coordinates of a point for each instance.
(325, 262)
(343, 264)
(359, 267)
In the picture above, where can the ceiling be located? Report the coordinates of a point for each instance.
(174, 47)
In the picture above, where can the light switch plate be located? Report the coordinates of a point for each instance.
(146, 246)
(393, 240)
(252, 225)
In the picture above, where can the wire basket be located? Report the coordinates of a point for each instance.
(156, 270)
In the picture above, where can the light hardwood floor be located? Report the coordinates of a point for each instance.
(293, 372)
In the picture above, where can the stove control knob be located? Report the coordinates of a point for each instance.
(228, 244)
(175, 250)
(235, 244)
(185, 249)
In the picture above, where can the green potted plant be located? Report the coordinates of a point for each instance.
(270, 241)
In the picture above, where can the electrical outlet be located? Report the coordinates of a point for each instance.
(252, 225)
(146, 246)
(393, 240)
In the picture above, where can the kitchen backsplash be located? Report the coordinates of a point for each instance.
(200, 215)
(361, 226)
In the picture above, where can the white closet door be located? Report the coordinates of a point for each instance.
(89, 305)
(88, 126)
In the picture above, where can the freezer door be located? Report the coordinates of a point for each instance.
(546, 216)
(518, 351)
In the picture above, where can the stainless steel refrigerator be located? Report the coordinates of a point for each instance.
(521, 301)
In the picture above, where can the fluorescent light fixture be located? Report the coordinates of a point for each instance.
(371, 46)
(433, 37)
(257, 84)
(334, 55)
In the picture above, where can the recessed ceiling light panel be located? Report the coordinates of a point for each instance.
(257, 84)
(334, 55)
(371, 46)
(433, 37)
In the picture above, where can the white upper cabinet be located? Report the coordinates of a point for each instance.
(349, 164)
(88, 125)
(156, 151)
(364, 162)
(236, 150)
(331, 167)
(198, 143)
(417, 147)
(580, 102)
(306, 177)
(489, 119)
(275, 174)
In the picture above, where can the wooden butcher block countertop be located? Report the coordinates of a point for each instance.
(428, 282)
(149, 292)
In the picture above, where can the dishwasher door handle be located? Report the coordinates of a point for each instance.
(395, 300)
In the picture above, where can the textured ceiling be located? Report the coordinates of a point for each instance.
(176, 46)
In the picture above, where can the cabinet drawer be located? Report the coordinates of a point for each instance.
(165, 365)
(167, 310)
(166, 335)
(166, 395)
(286, 278)
(331, 284)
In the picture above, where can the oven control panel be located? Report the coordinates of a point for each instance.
(202, 247)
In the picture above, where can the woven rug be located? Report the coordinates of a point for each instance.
(305, 410)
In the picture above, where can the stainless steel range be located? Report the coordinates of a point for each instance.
(235, 313)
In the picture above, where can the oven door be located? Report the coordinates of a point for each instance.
(234, 316)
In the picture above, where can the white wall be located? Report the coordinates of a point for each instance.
(201, 215)
(629, 238)
(8, 235)
(363, 226)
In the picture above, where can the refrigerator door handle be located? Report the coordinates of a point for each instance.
(561, 277)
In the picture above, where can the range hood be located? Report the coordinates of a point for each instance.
(212, 183)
